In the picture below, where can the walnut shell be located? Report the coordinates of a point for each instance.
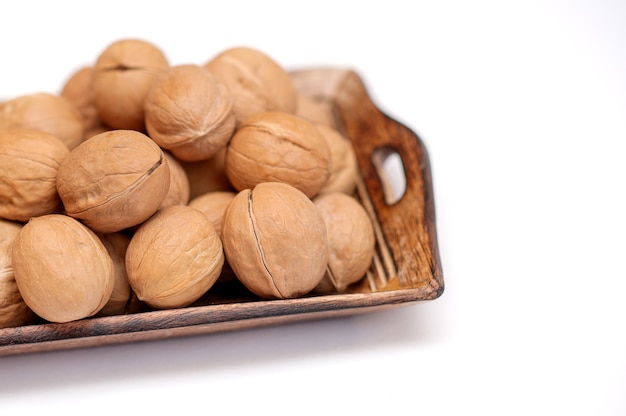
(62, 269)
(46, 112)
(345, 171)
(275, 241)
(189, 113)
(178, 193)
(213, 205)
(123, 75)
(78, 89)
(278, 147)
(174, 258)
(30, 161)
(116, 245)
(351, 240)
(257, 82)
(114, 180)
(13, 310)
(315, 110)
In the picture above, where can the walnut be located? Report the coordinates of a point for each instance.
(189, 113)
(114, 180)
(62, 269)
(30, 161)
(174, 258)
(275, 241)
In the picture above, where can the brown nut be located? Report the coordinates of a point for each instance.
(46, 112)
(213, 205)
(116, 245)
(275, 241)
(78, 90)
(30, 161)
(351, 240)
(257, 82)
(189, 113)
(278, 147)
(174, 258)
(123, 75)
(178, 193)
(62, 269)
(13, 310)
(114, 180)
(344, 171)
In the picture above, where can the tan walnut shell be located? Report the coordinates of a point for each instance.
(189, 113)
(278, 147)
(123, 75)
(114, 180)
(30, 161)
(78, 89)
(46, 112)
(213, 205)
(275, 241)
(13, 310)
(62, 269)
(351, 240)
(116, 245)
(257, 82)
(178, 193)
(174, 258)
(207, 175)
(345, 171)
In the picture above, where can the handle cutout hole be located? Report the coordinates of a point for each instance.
(390, 169)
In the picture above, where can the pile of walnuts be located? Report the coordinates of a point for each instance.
(142, 179)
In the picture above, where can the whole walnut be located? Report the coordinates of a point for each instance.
(257, 82)
(116, 245)
(189, 113)
(62, 269)
(30, 161)
(178, 193)
(78, 89)
(46, 112)
(114, 180)
(345, 171)
(13, 310)
(275, 241)
(278, 147)
(174, 258)
(123, 75)
(351, 240)
(213, 205)
(315, 110)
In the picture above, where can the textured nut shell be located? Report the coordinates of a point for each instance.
(275, 241)
(213, 205)
(46, 112)
(114, 180)
(30, 161)
(178, 193)
(62, 269)
(123, 75)
(345, 171)
(189, 113)
(174, 258)
(257, 82)
(351, 240)
(13, 310)
(79, 91)
(207, 175)
(278, 147)
(116, 245)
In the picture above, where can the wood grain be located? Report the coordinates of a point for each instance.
(407, 268)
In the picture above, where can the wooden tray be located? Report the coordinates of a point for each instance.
(406, 268)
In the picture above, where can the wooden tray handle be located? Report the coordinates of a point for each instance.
(408, 222)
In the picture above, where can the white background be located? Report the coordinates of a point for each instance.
(522, 106)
